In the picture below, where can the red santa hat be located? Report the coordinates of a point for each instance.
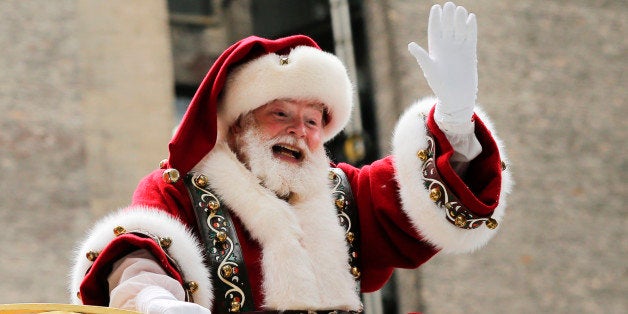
(251, 73)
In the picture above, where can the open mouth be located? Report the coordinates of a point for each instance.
(287, 151)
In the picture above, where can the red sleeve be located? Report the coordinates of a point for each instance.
(480, 189)
(388, 239)
(153, 193)
(94, 289)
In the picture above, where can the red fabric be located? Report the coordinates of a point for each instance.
(95, 289)
(388, 238)
(196, 136)
(480, 190)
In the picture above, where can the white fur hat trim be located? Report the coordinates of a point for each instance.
(305, 73)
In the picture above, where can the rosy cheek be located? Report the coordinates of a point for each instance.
(314, 141)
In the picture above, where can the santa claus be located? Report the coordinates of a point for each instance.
(248, 214)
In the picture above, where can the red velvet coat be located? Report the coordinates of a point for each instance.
(400, 225)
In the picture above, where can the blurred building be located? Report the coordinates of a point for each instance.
(90, 92)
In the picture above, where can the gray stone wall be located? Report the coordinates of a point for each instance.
(552, 78)
(86, 101)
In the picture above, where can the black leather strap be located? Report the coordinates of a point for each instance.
(223, 253)
(348, 218)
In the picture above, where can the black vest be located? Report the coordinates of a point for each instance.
(223, 254)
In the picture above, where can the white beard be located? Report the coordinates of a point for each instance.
(284, 178)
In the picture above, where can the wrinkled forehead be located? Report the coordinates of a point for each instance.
(307, 103)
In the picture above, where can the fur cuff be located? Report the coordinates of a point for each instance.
(183, 248)
(410, 136)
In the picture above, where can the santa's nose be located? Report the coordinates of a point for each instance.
(297, 128)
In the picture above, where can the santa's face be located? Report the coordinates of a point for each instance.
(281, 144)
(298, 119)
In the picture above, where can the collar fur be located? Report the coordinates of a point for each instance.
(304, 258)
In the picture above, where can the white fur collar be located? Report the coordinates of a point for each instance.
(304, 258)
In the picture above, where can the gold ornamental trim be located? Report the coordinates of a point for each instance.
(57, 308)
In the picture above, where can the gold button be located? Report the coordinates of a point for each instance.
(460, 221)
(91, 256)
(435, 194)
(221, 236)
(284, 60)
(350, 237)
(163, 163)
(504, 166)
(165, 242)
(235, 306)
(331, 175)
(227, 271)
(491, 223)
(191, 286)
(423, 154)
(201, 181)
(119, 230)
(171, 175)
(355, 272)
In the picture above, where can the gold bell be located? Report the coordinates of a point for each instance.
(460, 221)
(91, 256)
(491, 223)
(221, 236)
(422, 154)
(171, 175)
(119, 230)
(201, 181)
(350, 237)
(78, 295)
(435, 194)
(340, 202)
(163, 163)
(227, 271)
(191, 286)
(165, 242)
(355, 272)
(213, 205)
(235, 306)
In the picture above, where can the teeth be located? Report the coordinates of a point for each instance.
(288, 148)
(287, 151)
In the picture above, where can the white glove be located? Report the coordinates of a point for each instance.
(157, 300)
(450, 67)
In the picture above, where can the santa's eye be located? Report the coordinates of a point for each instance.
(280, 114)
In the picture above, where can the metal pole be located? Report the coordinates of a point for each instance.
(354, 147)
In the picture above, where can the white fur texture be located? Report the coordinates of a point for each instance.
(184, 249)
(410, 137)
(309, 74)
(304, 257)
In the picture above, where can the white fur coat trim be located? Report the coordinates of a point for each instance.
(304, 253)
(410, 137)
(185, 249)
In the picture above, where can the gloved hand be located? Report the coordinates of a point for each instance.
(450, 67)
(157, 300)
